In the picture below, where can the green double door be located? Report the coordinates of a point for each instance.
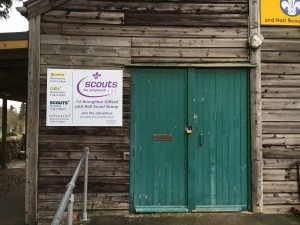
(189, 140)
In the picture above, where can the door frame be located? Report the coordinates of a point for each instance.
(190, 183)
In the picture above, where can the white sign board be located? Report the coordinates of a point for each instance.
(84, 97)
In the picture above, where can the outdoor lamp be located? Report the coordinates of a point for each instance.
(22, 10)
(255, 40)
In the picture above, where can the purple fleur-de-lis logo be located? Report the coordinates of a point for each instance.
(96, 75)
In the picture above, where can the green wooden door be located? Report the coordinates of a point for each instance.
(159, 144)
(218, 111)
(173, 171)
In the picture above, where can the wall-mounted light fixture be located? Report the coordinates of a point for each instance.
(22, 10)
(255, 41)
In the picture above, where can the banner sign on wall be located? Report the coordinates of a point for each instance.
(280, 12)
(84, 97)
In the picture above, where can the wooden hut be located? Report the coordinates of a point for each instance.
(13, 66)
(209, 123)
(13, 77)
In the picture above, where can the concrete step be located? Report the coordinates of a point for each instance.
(195, 219)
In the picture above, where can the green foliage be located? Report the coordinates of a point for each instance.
(22, 111)
(12, 118)
(15, 120)
(22, 117)
(5, 6)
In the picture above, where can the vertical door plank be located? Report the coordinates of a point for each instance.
(222, 167)
(160, 165)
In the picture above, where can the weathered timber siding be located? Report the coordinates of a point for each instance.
(281, 117)
(109, 35)
(152, 31)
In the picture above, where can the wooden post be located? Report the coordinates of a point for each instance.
(32, 133)
(256, 121)
(4, 132)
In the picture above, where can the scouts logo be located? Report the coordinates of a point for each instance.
(96, 85)
(96, 75)
(290, 7)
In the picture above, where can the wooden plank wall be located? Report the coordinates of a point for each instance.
(111, 34)
(281, 116)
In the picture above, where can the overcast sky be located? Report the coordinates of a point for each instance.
(15, 104)
(16, 22)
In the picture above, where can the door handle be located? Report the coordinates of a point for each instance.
(189, 130)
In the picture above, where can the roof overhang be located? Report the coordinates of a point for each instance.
(14, 66)
(38, 7)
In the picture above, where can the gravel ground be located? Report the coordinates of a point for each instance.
(10, 179)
